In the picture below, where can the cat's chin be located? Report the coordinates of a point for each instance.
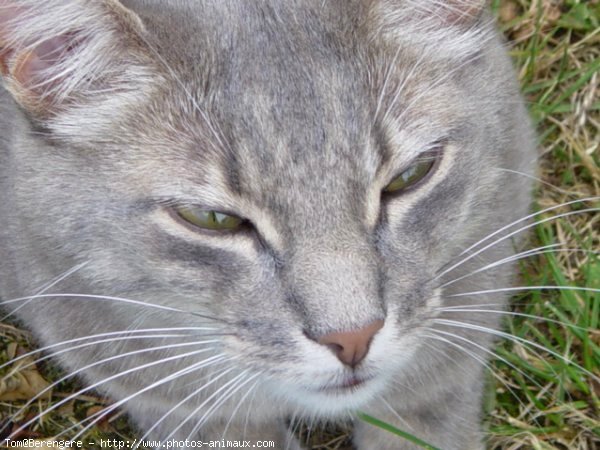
(333, 400)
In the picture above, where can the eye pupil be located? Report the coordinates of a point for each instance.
(220, 219)
(209, 220)
(407, 175)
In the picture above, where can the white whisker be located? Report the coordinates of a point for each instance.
(482, 329)
(294, 427)
(527, 288)
(547, 249)
(438, 81)
(405, 424)
(216, 359)
(182, 85)
(487, 351)
(400, 89)
(462, 309)
(503, 238)
(218, 376)
(221, 401)
(113, 337)
(476, 357)
(506, 260)
(526, 218)
(93, 297)
(251, 389)
(385, 82)
(45, 288)
(203, 404)
(105, 380)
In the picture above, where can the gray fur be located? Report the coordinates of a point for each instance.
(294, 115)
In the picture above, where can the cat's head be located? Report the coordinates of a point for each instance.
(299, 171)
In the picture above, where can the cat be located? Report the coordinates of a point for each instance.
(236, 214)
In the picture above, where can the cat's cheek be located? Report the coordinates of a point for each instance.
(416, 225)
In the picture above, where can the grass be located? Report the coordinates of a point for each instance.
(554, 403)
(538, 399)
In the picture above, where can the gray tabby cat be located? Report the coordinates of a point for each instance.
(240, 213)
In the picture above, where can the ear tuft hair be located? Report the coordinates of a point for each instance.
(57, 54)
(457, 28)
(451, 12)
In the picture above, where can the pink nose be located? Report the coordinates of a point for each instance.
(351, 347)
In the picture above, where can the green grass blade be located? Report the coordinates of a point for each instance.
(387, 427)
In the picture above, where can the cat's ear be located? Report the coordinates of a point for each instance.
(62, 55)
(450, 28)
(442, 13)
(462, 13)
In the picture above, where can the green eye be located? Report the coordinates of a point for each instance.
(209, 220)
(411, 176)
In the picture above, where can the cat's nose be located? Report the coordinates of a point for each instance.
(351, 347)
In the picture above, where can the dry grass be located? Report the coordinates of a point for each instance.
(557, 47)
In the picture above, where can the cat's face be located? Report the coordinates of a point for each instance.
(299, 121)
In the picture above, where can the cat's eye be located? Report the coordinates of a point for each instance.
(411, 176)
(209, 220)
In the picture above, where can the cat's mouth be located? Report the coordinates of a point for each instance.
(347, 385)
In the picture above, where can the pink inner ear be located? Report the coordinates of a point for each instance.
(8, 12)
(32, 68)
